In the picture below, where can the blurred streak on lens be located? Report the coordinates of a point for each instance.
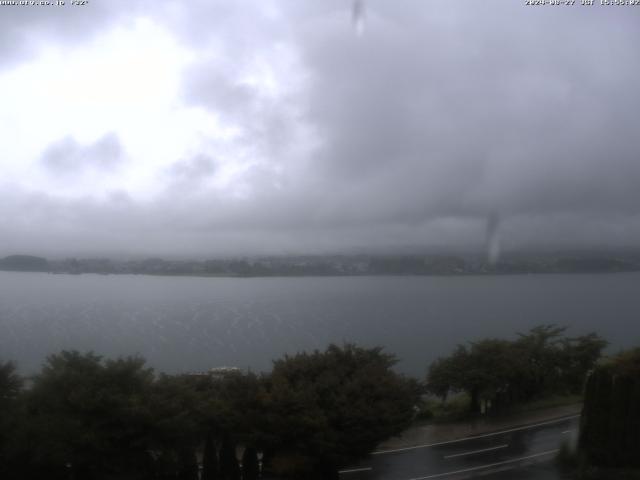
(357, 16)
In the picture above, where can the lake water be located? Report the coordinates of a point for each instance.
(185, 324)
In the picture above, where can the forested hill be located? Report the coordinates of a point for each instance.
(24, 263)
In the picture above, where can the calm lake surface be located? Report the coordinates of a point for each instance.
(184, 324)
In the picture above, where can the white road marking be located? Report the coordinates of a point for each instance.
(567, 431)
(548, 452)
(485, 435)
(477, 451)
(355, 470)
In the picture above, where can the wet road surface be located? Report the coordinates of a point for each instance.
(526, 452)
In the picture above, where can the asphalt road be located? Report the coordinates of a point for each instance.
(518, 453)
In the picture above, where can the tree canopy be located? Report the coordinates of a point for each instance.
(610, 423)
(87, 417)
(497, 373)
(336, 405)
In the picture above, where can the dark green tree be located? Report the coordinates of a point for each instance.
(210, 470)
(483, 370)
(441, 376)
(540, 350)
(188, 469)
(89, 418)
(328, 408)
(498, 373)
(610, 422)
(489, 373)
(250, 464)
(10, 385)
(11, 419)
(179, 427)
(229, 467)
(579, 354)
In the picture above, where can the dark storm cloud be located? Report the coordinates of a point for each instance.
(467, 108)
(459, 111)
(440, 115)
(67, 156)
(508, 110)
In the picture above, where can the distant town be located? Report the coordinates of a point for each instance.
(334, 265)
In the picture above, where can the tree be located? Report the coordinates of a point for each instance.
(10, 384)
(229, 468)
(188, 465)
(610, 422)
(543, 363)
(233, 405)
(483, 370)
(90, 415)
(554, 363)
(250, 464)
(499, 373)
(10, 416)
(179, 426)
(489, 372)
(327, 408)
(580, 355)
(441, 376)
(228, 408)
(210, 469)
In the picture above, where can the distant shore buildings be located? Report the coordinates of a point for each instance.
(217, 373)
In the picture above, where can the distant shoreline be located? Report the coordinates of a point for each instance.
(330, 266)
(331, 275)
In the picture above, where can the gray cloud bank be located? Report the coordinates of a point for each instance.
(414, 133)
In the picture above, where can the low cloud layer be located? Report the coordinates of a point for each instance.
(273, 127)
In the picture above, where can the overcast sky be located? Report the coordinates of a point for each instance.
(238, 127)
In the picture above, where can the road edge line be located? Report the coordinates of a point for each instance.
(473, 437)
(497, 464)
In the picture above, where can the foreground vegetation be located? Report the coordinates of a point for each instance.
(498, 375)
(610, 431)
(87, 418)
